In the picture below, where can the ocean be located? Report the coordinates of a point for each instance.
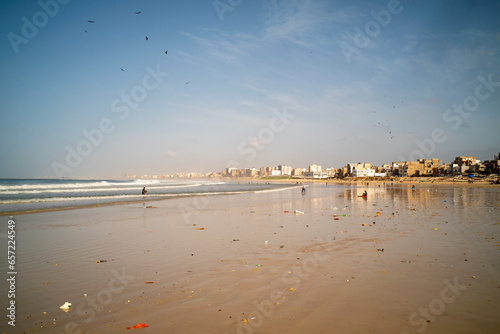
(26, 195)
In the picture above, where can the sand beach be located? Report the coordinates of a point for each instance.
(400, 261)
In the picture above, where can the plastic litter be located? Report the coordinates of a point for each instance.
(297, 212)
(149, 282)
(101, 261)
(138, 326)
(380, 249)
(65, 306)
(253, 211)
(406, 261)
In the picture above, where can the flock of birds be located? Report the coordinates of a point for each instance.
(137, 13)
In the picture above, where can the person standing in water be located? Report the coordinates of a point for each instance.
(144, 191)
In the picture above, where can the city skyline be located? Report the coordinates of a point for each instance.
(430, 167)
(95, 89)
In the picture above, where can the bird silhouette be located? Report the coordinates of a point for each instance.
(85, 30)
(138, 13)
(122, 69)
(166, 52)
(91, 21)
(188, 82)
(147, 38)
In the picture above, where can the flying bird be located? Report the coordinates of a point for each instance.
(91, 21)
(147, 38)
(85, 30)
(188, 82)
(138, 13)
(122, 69)
(166, 52)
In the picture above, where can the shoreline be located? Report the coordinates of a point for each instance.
(248, 263)
(434, 181)
(425, 181)
(151, 199)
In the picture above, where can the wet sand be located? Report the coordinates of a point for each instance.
(241, 264)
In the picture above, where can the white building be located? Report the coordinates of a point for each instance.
(314, 169)
(275, 172)
(315, 175)
(364, 172)
(285, 170)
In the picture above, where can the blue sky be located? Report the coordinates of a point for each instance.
(353, 81)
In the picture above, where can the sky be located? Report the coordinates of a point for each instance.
(244, 83)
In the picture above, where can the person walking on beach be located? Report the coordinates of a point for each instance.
(144, 191)
(303, 190)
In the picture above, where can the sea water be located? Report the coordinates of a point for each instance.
(24, 195)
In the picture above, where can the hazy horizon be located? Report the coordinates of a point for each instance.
(248, 84)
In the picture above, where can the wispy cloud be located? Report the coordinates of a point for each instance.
(305, 23)
(223, 46)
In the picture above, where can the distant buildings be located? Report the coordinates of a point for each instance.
(420, 168)
(298, 171)
(314, 169)
(464, 164)
(314, 172)
(492, 166)
(285, 170)
(360, 169)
